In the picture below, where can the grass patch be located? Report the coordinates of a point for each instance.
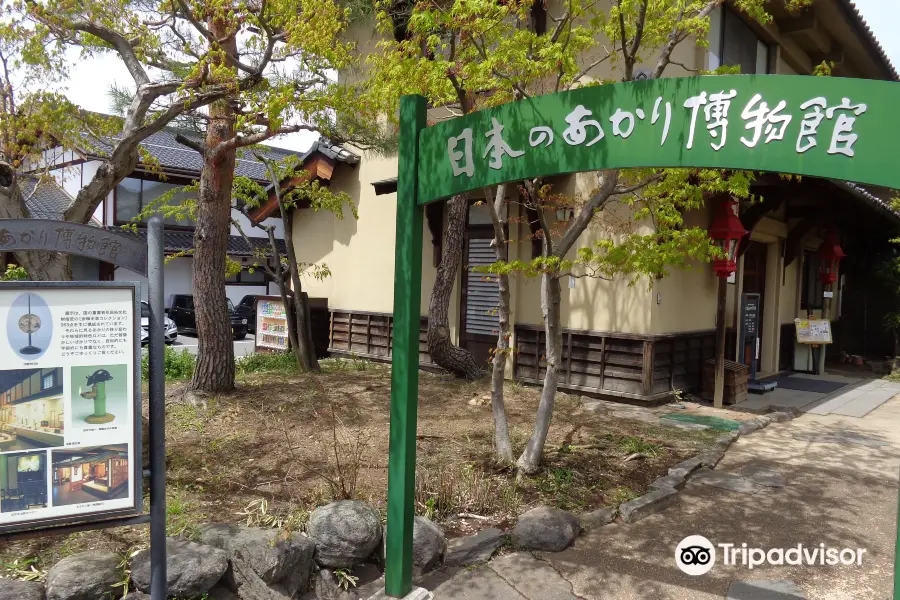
(448, 491)
(620, 494)
(267, 362)
(177, 365)
(630, 444)
(183, 516)
(342, 365)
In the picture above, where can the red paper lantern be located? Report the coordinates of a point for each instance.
(726, 232)
(830, 255)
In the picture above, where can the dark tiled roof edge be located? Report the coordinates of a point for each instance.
(869, 36)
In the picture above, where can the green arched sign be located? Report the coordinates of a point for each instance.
(817, 126)
(820, 126)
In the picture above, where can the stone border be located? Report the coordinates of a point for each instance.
(664, 490)
(254, 562)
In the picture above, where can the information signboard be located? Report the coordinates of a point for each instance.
(70, 387)
(813, 331)
(271, 324)
(750, 315)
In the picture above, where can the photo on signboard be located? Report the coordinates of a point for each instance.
(99, 395)
(31, 409)
(29, 326)
(23, 481)
(90, 474)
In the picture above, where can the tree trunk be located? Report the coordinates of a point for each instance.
(283, 291)
(530, 460)
(215, 345)
(307, 352)
(502, 443)
(40, 266)
(457, 360)
(46, 266)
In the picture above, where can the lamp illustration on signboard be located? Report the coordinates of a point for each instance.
(97, 382)
(30, 323)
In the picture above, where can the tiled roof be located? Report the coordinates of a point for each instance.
(175, 157)
(870, 198)
(176, 241)
(869, 37)
(46, 199)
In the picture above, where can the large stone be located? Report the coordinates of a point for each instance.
(780, 416)
(282, 562)
(429, 544)
(597, 518)
(635, 510)
(546, 528)
(12, 589)
(765, 589)
(137, 596)
(345, 532)
(748, 427)
(474, 549)
(328, 587)
(711, 458)
(85, 576)
(191, 569)
(726, 481)
(685, 467)
(675, 482)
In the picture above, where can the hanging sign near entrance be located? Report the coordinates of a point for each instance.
(813, 331)
(69, 403)
(821, 126)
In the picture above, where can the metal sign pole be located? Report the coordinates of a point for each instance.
(157, 411)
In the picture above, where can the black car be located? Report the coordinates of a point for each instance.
(182, 313)
(246, 308)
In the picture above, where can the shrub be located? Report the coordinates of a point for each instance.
(177, 365)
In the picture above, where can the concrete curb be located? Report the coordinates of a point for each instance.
(663, 491)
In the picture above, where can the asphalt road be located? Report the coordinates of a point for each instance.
(241, 347)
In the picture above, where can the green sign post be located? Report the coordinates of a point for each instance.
(818, 126)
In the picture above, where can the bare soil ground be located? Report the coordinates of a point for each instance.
(280, 445)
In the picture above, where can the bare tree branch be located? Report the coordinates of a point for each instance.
(607, 181)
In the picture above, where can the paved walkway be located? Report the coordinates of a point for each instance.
(841, 475)
(856, 398)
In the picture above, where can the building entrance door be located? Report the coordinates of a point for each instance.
(754, 282)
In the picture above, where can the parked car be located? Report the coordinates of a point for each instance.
(170, 331)
(182, 313)
(246, 308)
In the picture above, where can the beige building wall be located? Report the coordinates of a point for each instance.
(360, 252)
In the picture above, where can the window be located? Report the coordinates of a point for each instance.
(812, 291)
(245, 277)
(134, 195)
(247, 302)
(734, 43)
(48, 381)
(186, 302)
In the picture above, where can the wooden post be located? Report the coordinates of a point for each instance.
(647, 373)
(719, 387)
(405, 358)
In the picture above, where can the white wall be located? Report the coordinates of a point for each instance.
(177, 278)
(252, 231)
